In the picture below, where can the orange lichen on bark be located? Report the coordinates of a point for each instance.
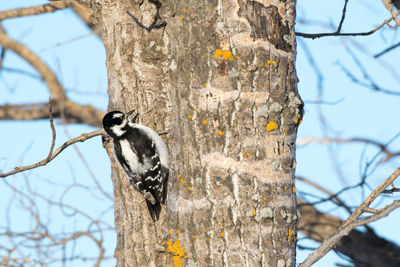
(245, 154)
(224, 53)
(271, 126)
(178, 252)
(298, 119)
(290, 234)
(183, 182)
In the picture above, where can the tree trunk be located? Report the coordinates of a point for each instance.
(221, 77)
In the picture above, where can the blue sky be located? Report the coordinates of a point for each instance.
(80, 64)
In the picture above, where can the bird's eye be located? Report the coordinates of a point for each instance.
(116, 121)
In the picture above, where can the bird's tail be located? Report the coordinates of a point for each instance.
(154, 209)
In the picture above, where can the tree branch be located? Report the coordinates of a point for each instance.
(371, 250)
(73, 112)
(351, 222)
(338, 33)
(35, 10)
(51, 155)
(56, 90)
(325, 140)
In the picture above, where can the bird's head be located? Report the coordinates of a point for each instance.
(114, 123)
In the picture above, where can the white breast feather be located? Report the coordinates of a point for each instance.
(132, 159)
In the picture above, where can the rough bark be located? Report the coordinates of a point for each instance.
(221, 77)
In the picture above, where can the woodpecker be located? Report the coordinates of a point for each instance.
(143, 155)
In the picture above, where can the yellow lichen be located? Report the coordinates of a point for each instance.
(248, 154)
(294, 189)
(183, 182)
(194, 236)
(189, 116)
(268, 61)
(223, 233)
(290, 234)
(265, 198)
(237, 57)
(271, 126)
(181, 17)
(205, 85)
(253, 212)
(178, 176)
(184, 9)
(204, 122)
(176, 249)
(169, 231)
(298, 119)
(224, 53)
(221, 132)
(178, 231)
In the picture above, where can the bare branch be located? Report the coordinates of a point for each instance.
(351, 222)
(56, 90)
(35, 10)
(387, 50)
(389, 4)
(338, 33)
(73, 112)
(391, 191)
(326, 191)
(371, 250)
(43, 162)
(371, 83)
(53, 130)
(326, 140)
(328, 243)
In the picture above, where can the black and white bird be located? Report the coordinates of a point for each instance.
(143, 155)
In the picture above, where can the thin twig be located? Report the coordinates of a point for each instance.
(81, 138)
(387, 50)
(34, 10)
(339, 202)
(53, 130)
(338, 33)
